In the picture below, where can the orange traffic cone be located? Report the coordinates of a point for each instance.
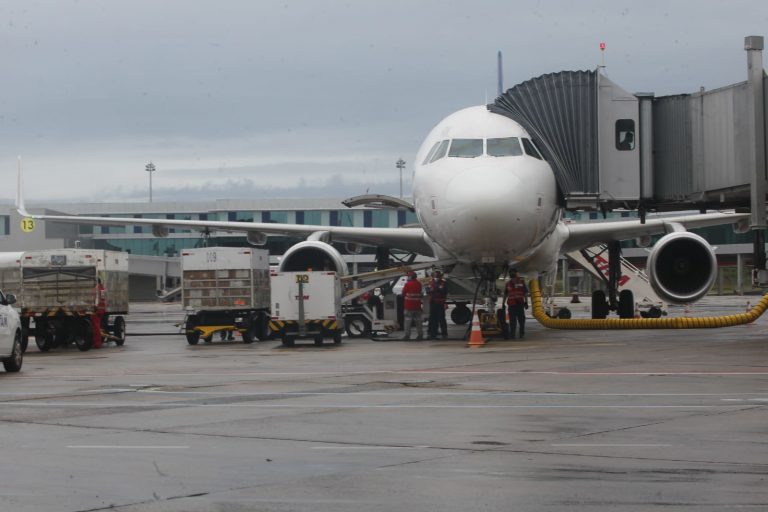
(476, 336)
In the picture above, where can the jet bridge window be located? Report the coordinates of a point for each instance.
(625, 134)
(466, 148)
(530, 149)
(508, 146)
(440, 152)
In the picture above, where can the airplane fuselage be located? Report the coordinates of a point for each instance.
(483, 193)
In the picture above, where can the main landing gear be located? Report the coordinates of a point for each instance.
(603, 303)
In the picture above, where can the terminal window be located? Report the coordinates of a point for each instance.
(625, 134)
(5, 225)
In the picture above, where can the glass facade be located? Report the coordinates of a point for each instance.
(140, 240)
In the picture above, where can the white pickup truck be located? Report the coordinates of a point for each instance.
(11, 353)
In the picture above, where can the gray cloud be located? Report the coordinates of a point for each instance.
(94, 90)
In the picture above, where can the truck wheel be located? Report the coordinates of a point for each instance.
(288, 341)
(263, 333)
(44, 332)
(118, 330)
(461, 314)
(357, 326)
(318, 339)
(82, 335)
(13, 363)
(24, 334)
(337, 336)
(193, 336)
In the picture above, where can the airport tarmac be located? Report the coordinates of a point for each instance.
(562, 420)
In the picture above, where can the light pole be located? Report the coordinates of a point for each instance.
(400, 164)
(150, 168)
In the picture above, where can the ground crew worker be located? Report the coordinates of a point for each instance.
(98, 314)
(516, 294)
(437, 291)
(412, 303)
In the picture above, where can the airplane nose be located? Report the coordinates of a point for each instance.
(488, 192)
(490, 212)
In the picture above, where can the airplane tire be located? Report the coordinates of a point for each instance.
(626, 304)
(599, 304)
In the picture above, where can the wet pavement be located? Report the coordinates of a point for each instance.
(562, 420)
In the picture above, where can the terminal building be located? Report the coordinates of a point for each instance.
(154, 261)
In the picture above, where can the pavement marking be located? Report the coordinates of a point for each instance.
(404, 392)
(397, 372)
(369, 447)
(610, 445)
(410, 392)
(65, 405)
(124, 447)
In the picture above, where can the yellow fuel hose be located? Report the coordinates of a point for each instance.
(707, 322)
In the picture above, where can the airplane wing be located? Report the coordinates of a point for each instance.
(587, 234)
(412, 239)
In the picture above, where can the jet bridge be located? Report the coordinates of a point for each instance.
(612, 149)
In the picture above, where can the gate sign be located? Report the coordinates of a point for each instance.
(27, 224)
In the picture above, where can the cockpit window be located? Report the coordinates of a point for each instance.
(466, 148)
(531, 150)
(440, 151)
(431, 153)
(508, 146)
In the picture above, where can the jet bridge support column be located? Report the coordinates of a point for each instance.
(754, 48)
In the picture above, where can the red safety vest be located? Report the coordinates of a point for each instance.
(516, 292)
(437, 292)
(101, 299)
(412, 295)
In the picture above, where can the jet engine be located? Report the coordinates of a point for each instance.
(682, 267)
(312, 255)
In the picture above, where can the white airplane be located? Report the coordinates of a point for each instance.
(487, 200)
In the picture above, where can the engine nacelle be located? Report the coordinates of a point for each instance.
(312, 255)
(682, 267)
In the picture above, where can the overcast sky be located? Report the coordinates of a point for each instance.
(243, 98)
